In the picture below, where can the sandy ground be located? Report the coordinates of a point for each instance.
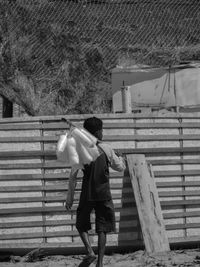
(179, 258)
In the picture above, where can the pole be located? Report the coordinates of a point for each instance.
(126, 99)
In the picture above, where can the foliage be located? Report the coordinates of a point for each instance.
(62, 79)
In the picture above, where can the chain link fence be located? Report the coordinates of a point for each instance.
(46, 39)
(144, 31)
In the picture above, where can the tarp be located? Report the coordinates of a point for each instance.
(187, 87)
(160, 87)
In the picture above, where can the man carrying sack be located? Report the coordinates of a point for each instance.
(95, 194)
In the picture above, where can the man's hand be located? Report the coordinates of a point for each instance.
(118, 153)
(71, 189)
(68, 205)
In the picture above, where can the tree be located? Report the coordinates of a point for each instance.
(44, 68)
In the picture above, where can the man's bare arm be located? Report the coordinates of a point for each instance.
(71, 189)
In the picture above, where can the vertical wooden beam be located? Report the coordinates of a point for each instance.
(180, 129)
(43, 185)
(148, 205)
(7, 108)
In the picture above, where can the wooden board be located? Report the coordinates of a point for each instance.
(148, 205)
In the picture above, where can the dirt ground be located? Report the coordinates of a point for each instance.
(178, 258)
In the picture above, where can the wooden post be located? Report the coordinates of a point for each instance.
(148, 205)
(7, 111)
(126, 99)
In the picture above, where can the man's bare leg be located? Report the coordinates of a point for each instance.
(101, 248)
(86, 241)
(90, 256)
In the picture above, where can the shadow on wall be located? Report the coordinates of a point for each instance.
(130, 233)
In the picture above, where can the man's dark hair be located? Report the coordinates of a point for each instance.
(93, 124)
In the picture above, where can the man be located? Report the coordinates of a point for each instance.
(95, 194)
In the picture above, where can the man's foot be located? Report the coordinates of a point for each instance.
(87, 261)
(99, 264)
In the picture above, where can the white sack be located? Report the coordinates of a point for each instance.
(77, 148)
(72, 151)
(83, 137)
(61, 149)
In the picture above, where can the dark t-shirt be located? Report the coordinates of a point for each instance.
(95, 185)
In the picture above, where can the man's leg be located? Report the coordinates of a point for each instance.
(105, 223)
(90, 256)
(101, 248)
(83, 225)
(86, 241)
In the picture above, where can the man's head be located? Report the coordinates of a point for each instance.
(94, 126)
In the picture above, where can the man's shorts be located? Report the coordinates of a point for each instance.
(104, 216)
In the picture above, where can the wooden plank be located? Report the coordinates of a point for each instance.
(176, 203)
(29, 224)
(67, 233)
(115, 196)
(159, 162)
(173, 173)
(182, 241)
(35, 188)
(50, 176)
(65, 175)
(179, 193)
(38, 235)
(148, 205)
(58, 247)
(144, 138)
(29, 139)
(26, 166)
(179, 226)
(178, 184)
(31, 211)
(148, 151)
(105, 116)
(27, 154)
(63, 247)
(36, 126)
(162, 150)
(55, 118)
(69, 246)
(146, 125)
(107, 125)
(184, 214)
(148, 138)
(49, 188)
(27, 212)
(47, 199)
(34, 177)
(54, 164)
(132, 243)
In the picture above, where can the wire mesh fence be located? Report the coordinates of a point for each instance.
(141, 30)
(51, 45)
